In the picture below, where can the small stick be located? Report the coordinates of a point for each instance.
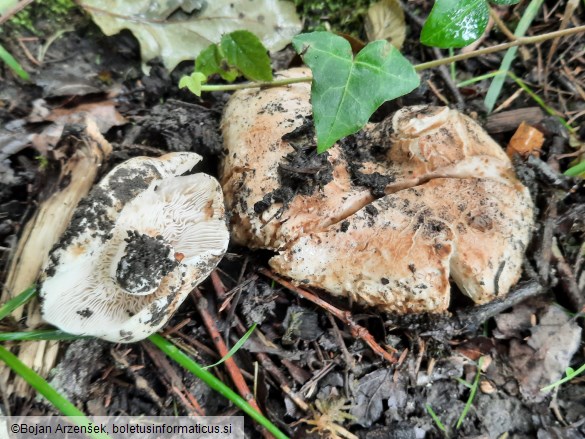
(502, 26)
(218, 285)
(567, 278)
(194, 343)
(27, 53)
(175, 383)
(231, 366)
(345, 316)
(349, 362)
(471, 319)
(273, 370)
(189, 402)
(264, 359)
(443, 71)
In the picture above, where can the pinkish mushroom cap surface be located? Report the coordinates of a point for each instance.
(385, 217)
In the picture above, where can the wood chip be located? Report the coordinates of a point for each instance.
(509, 120)
(526, 141)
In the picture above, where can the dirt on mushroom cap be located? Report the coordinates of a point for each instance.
(124, 266)
(454, 206)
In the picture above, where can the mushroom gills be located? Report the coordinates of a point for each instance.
(122, 276)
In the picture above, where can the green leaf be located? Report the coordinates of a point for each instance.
(211, 61)
(569, 371)
(208, 60)
(39, 334)
(576, 170)
(245, 51)
(179, 30)
(235, 348)
(505, 2)
(455, 23)
(193, 82)
(346, 91)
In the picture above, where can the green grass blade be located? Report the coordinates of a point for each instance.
(12, 63)
(472, 393)
(564, 380)
(496, 86)
(438, 422)
(40, 385)
(524, 87)
(540, 101)
(576, 170)
(235, 348)
(464, 383)
(46, 334)
(17, 301)
(184, 360)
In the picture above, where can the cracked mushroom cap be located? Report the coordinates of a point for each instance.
(143, 238)
(409, 203)
(398, 252)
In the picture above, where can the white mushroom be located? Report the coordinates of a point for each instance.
(453, 206)
(136, 246)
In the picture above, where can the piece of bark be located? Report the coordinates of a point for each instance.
(41, 233)
(526, 141)
(509, 120)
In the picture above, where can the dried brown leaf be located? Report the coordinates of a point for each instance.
(544, 356)
(385, 21)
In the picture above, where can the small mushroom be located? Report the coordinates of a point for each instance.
(143, 238)
(389, 216)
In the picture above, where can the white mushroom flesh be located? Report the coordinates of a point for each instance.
(453, 207)
(142, 239)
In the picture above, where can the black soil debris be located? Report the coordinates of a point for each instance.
(300, 172)
(145, 262)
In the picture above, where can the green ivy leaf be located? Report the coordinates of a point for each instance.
(244, 51)
(211, 60)
(346, 91)
(455, 23)
(193, 82)
(505, 2)
(208, 60)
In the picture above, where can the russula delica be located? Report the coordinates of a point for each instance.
(386, 217)
(136, 245)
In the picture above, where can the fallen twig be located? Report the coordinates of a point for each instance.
(230, 364)
(470, 319)
(345, 316)
(263, 358)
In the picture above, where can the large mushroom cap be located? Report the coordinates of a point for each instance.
(449, 204)
(260, 129)
(142, 239)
